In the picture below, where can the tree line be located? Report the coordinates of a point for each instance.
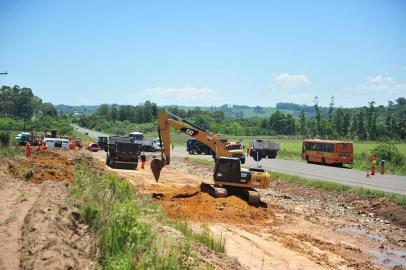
(370, 122)
(21, 103)
(366, 123)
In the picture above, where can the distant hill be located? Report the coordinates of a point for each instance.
(235, 111)
(82, 109)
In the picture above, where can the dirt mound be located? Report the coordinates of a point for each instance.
(45, 166)
(189, 203)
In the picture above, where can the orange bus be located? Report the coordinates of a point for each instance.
(327, 152)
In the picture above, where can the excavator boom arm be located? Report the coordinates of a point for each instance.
(167, 121)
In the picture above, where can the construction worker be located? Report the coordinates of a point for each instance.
(373, 164)
(143, 160)
(382, 166)
(44, 146)
(28, 150)
(38, 148)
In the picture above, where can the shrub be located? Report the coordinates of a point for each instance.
(4, 138)
(386, 151)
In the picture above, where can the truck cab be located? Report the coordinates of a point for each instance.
(194, 146)
(236, 150)
(137, 136)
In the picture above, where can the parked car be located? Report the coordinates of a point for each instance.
(94, 147)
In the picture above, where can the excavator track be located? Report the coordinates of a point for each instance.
(214, 190)
(248, 194)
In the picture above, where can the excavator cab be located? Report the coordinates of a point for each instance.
(227, 169)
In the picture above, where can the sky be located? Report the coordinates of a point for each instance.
(205, 52)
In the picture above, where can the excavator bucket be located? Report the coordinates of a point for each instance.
(156, 167)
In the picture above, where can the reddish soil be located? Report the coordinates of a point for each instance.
(188, 203)
(43, 166)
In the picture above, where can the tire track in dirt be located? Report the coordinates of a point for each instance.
(17, 198)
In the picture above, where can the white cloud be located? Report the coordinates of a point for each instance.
(287, 80)
(188, 93)
(381, 84)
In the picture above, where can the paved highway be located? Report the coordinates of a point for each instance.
(353, 177)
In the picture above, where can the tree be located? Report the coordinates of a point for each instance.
(114, 112)
(360, 125)
(303, 128)
(346, 124)
(317, 111)
(331, 109)
(104, 111)
(371, 121)
(48, 109)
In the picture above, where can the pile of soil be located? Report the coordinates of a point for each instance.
(45, 166)
(189, 203)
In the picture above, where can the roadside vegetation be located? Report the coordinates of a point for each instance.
(132, 231)
(359, 191)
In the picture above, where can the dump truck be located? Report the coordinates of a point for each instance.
(194, 146)
(122, 152)
(259, 149)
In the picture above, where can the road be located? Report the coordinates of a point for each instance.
(387, 183)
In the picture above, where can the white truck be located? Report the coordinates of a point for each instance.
(147, 145)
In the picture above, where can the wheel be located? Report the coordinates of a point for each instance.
(191, 152)
(323, 161)
(307, 159)
(242, 160)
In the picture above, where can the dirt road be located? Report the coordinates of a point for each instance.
(300, 228)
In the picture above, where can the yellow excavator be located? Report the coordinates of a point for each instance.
(228, 176)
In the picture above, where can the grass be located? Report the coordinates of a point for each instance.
(127, 226)
(206, 238)
(82, 137)
(359, 191)
(200, 160)
(11, 152)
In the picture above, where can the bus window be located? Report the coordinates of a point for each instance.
(330, 148)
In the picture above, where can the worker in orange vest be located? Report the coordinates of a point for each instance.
(28, 150)
(44, 145)
(373, 165)
(39, 147)
(143, 160)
